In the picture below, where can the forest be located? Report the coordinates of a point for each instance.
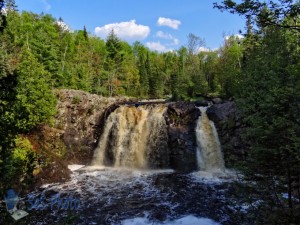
(261, 72)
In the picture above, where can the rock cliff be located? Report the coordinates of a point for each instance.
(74, 132)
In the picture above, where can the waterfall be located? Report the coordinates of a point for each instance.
(131, 136)
(209, 154)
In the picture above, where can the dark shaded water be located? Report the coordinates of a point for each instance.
(111, 196)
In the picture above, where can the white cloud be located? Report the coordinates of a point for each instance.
(157, 46)
(238, 36)
(203, 49)
(124, 30)
(47, 5)
(167, 36)
(162, 21)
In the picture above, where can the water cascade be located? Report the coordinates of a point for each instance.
(133, 137)
(209, 154)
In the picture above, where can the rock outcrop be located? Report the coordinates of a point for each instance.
(227, 120)
(181, 119)
(72, 135)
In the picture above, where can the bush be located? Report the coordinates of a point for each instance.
(21, 163)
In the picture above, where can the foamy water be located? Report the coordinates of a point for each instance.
(187, 220)
(111, 196)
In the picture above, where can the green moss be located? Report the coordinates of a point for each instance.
(76, 99)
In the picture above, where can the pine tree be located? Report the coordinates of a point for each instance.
(269, 100)
(113, 46)
(268, 97)
(114, 61)
(11, 5)
(34, 102)
(2, 16)
(85, 33)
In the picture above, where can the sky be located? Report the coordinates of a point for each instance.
(160, 25)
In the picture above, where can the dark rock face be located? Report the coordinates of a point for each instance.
(202, 103)
(74, 133)
(181, 118)
(79, 116)
(230, 129)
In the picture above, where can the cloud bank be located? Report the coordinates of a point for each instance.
(167, 36)
(157, 46)
(174, 24)
(129, 30)
(47, 5)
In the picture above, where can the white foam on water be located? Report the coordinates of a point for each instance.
(216, 176)
(93, 182)
(107, 185)
(187, 220)
(75, 167)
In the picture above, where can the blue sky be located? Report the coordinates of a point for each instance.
(159, 24)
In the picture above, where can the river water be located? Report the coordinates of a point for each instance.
(136, 197)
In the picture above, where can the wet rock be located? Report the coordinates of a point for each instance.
(181, 118)
(202, 103)
(230, 130)
(217, 100)
(223, 111)
(71, 139)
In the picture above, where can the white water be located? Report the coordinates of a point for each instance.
(209, 153)
(129, 136)
(103, 190)
(187, 220)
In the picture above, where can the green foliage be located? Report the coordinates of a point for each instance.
(266, 13)
(21, 163)
(229, 66)
(77, 60)
(26, 99)
(34, 102)
(268, 93)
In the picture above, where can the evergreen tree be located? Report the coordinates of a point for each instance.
(34, 102)
(267, 13)
(25, 102)
(10, 5)
(2, 16)
(113, 46)
(113, 63)
(268, 98)
(85, 33)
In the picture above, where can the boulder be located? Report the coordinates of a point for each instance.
(217, 100)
